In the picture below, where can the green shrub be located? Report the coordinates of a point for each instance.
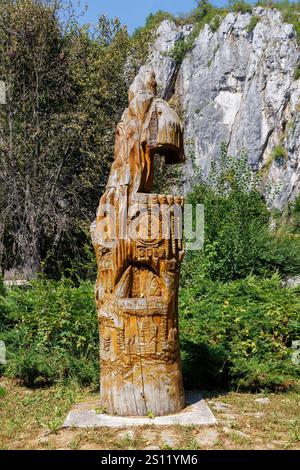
(153, 20)
(51, 333)
(181, 47)
(297, 72)
(253, 22)
(290, 15)
(239, 6)
(237, 321)
(237, 239)
(205, 13)
(294, 216)
(2, 287)
(282, 254)
(236, 236)
(215, 23)
(279, 152)
(239, 334)
(235, 334)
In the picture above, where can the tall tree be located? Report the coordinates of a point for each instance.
(65, 91)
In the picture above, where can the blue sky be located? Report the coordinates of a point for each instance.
(134, 12)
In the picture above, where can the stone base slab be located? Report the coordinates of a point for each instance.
(195, 413)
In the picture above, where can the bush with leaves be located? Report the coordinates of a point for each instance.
(205, 13)
(235, 334)
(238, 241)
(237, 320)
(240, 334)
(50, 331)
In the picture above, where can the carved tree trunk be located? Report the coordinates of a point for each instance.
(138, 272)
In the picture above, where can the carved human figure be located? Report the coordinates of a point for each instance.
(138, 276)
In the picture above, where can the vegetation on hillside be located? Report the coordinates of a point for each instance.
(238, 239)
(207, 14)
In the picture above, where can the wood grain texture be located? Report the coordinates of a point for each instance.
(138, 244)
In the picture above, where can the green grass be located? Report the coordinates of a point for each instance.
(26, 412)
(32, 419)
(279, 152)
(253, 22)
(297, 72)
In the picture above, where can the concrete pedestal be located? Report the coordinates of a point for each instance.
(195, 413)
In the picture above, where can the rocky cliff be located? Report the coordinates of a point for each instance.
(237, 85)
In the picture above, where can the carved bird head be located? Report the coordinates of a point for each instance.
(164, 133)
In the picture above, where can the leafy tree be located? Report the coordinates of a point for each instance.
(37, 129)
(66, 90)
(204, 7)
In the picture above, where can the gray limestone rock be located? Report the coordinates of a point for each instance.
(206, 438)
(237, 87)
(263, 401)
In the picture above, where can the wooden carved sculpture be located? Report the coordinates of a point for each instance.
(138, 256)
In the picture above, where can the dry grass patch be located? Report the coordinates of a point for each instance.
(31, 419)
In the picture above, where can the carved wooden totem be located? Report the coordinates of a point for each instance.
(138, 271)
